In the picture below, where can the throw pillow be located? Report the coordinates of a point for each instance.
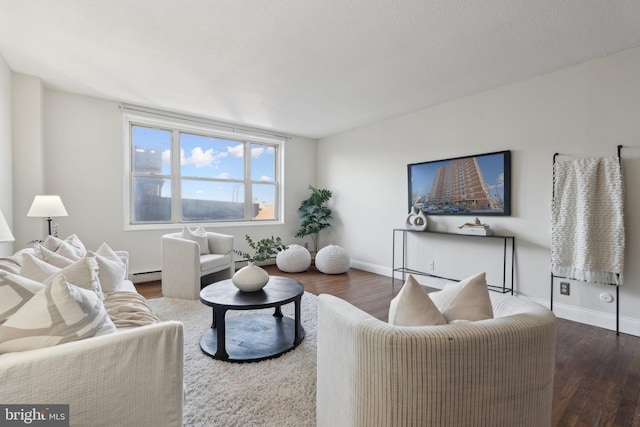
(111, 269)
(413, 307)
(82, 273)
(470, 301)
(57, 314)
(15, 291)
(71, 247)
(36, 269)
(53, 258)
(199, 235)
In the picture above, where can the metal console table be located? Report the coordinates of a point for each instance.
(508, 242)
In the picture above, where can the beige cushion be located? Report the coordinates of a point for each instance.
(15, 291)
(469, 300)
(199, 235)
(111, 269)
(59, 313)
(413, 307)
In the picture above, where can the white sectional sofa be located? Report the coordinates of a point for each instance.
(133, 377)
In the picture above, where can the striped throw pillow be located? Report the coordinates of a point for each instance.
(15, 291)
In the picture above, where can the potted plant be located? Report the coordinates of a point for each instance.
(314, 215)
(253, 278)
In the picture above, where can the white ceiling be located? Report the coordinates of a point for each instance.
(305, 67)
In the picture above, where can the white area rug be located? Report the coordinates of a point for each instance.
(274, 392)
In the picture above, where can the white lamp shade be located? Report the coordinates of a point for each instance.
(5, 232)
(47, 207)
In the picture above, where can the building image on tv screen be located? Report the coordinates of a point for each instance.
(463, 186)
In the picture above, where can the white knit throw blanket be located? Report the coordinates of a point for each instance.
(587, 222)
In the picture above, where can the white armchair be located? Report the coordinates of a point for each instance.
(185, 271)
(496, 372)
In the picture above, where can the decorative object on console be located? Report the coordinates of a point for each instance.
(314, 215)
(471, 185)
(295, 259)
(5, 231)
(332, 259)
(475, 228)
(252, 278)
(47, 206)
(416, 220)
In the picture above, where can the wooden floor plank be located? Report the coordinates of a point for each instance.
(597, 373)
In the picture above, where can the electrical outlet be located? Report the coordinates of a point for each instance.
(564, 288)
(431, 265)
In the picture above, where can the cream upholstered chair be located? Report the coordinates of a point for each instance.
(185, 270)
(496, 372)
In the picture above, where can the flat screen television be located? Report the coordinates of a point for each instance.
(478, 185)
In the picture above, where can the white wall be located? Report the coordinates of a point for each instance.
(582, 111)
(28, 156)
(84, 154)
(6, 181)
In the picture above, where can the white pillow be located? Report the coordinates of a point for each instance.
(111, 269)
(57, 314)
(15, 291)
(199, 235)
(36, 269)
(53, 258)
(413, 307)
(82, 273)
(470, 300)
(71, 247)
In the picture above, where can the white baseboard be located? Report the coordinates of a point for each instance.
(148, 276)
(628, 325)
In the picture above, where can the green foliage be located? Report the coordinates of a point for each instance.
(314, 215)
(263, 249)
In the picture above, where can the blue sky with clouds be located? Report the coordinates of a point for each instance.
(207, 157)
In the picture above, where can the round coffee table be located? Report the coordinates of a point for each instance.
(255, 336)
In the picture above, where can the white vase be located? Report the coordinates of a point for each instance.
(250, 278)
(416, 220)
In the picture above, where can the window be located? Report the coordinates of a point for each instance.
(185, 172)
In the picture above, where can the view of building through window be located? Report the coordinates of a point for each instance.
(181, 176)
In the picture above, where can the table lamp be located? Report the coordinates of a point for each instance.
(48, 206)
(5, 232)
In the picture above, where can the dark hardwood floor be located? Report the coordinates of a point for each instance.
(597, 376)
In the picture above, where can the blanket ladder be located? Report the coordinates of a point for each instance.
(569, 278)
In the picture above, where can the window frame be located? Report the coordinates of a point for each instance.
(176, 124)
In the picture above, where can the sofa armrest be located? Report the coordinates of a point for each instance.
(130, 378)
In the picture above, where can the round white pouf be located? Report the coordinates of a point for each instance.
(294, 259)
(332, 260)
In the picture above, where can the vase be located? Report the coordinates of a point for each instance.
(250, 278)
(416, 220)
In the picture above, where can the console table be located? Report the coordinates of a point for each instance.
(508, 242)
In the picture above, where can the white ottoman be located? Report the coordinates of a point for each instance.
(294, 259)
(332, 260)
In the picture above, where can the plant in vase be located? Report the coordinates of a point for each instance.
(253, 278)
(314, 215)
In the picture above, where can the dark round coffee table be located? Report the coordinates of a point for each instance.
(255, 336)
